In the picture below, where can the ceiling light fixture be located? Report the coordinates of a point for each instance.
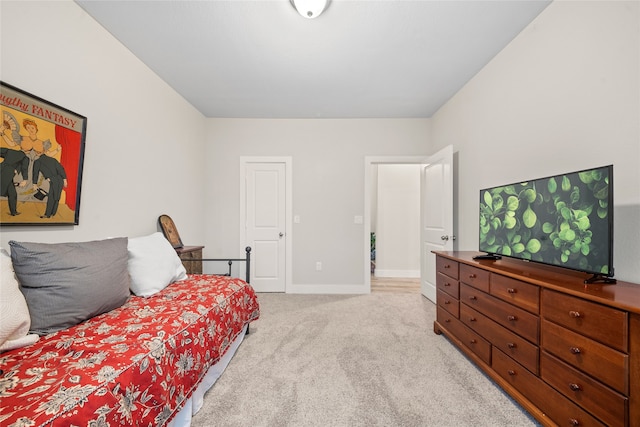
(310, 8)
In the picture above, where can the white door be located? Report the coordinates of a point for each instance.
(265, 223)
(437, 215)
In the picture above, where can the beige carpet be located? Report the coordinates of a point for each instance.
(366, 360)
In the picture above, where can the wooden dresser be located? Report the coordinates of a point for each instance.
(191, 257)
(569, 353)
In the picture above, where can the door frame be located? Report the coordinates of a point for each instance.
(369, 161)
(288, 162)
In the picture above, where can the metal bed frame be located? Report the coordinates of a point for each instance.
(230, 261)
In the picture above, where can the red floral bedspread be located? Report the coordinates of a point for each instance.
(135, 365)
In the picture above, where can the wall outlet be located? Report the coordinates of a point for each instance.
(318, 266)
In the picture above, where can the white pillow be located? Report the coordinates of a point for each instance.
(153, 264)
(14, 313)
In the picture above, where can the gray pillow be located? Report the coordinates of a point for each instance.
(67, 283)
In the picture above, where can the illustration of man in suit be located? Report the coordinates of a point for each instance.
(15, 162)
(54, 173)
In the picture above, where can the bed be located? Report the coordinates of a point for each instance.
(147, 362)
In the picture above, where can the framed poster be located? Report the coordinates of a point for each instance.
(41, 155)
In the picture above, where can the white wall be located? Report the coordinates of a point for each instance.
(398, 221)
(563, 96)
(144, 145)
(328, 182)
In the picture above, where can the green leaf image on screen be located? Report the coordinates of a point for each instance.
(563, 220)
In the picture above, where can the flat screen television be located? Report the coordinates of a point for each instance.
(564, 220)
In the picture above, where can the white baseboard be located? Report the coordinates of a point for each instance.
(329, 289)
(405, 274)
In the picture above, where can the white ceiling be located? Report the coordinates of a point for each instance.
(360, 59)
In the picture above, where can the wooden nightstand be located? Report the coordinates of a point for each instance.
(189, 253)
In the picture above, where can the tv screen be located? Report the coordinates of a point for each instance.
(564, 220)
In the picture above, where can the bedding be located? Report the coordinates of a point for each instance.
(135, 365)
(196, 401)
(67, 283)
(14, 313)
(153, 264)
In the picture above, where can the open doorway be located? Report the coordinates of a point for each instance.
(384, 178)
(395, 221)
(436, 216)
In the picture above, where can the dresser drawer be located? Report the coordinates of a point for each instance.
(469, 338)
(516, 292)
(511, 344)
(476, 343)
(604, 324)
(558, 408)
(448, 267)
(448, 285)
(446, 319)
(513, 318)
(604, 363)
(449, 303)
(475, 277)
(601, 401)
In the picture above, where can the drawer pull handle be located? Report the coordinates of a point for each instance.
(473, 297)
(447, 320)
(472, 319)
(511, 345)
(447, 266)
(574, 422)
(511, 372)
(472, 276)
(473, 341)
(512, 317)
(575, 314)
(447, 284)
(575, 350)
(575, 387)
(447, 302)
(511, 290)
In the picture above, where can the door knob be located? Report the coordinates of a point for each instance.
(444, 238)
(281, 234)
